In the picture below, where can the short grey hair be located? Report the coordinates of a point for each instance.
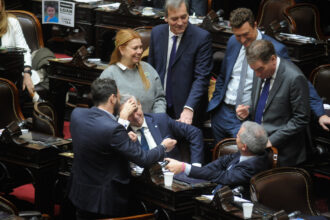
(260, 50)
(175, 4)
(125, 97)
(254, 136)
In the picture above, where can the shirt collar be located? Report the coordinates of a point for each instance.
(171, 34)
(144, 125)
(259, 35)
(278, 60)
(243, 158)
(111, 115)
(121, 66)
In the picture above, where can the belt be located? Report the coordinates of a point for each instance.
(231, 107)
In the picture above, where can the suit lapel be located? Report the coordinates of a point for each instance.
(256, 92)
(154, 130)
(163, 39)
(232, 59)
(276, 85)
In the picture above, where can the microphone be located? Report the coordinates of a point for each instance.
(238, 191)
(294, 214)
(90, 50)
(220, 12)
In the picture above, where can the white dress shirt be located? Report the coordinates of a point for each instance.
(232, 89)
(150, 140)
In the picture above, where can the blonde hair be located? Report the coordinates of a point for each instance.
(3, 19)
(122, 38)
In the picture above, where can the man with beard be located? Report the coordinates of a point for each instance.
(102, 151)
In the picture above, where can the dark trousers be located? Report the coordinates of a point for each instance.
(84, 215)
(224, 122)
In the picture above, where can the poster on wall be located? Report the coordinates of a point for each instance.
(58, 12)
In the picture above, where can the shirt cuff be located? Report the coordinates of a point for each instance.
(123, 122)
(187, 169)
(190, 108)
(197, 164)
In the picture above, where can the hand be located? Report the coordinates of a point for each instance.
(323, 121)
(186, 116)
(132, 136)
(174, 166)
(169, 143)
(269, 144)
(128, 108)
(28, 84)
(242, 111)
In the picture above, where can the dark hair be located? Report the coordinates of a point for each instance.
(241, 15)
(260, 50)
(102, 89)
(175, 4)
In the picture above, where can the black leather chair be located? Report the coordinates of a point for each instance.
(284, 188)
(44, 118)
(224, 147)
(271, 10)
(304, 19)
(32, 31)
(10, 109)
(320, 78)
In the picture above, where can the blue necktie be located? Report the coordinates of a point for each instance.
(144, 143)
(169, 73)
(262, 101)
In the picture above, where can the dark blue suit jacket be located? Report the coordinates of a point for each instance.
(232, 51)
(162, 126)
(101, 173)
(191, 68)
(238, 175)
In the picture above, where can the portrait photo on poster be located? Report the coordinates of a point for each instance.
(50, 11)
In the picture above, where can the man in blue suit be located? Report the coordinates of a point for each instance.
(233, 169)
(102, 150)
(185, 68)
(228, 95)
(154, 127)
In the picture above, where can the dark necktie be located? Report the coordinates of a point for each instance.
(144, 143)
(241, 85)
(262, 101)
(169, 74)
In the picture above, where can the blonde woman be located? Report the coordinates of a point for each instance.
(11, 35)
(134, 76)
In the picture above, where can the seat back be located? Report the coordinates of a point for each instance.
(44, 118)
(271, 10)
(145, 33)
(10, 109)
(320, 78)
(304, 19)
(7, 209)
(284, 188)
(31, 28)
(272, 156)
(224, 147)
(148, 216)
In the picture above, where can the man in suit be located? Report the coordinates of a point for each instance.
(185, 68)
(229, 92)
(279, 102)
(154, 127)
(102, 151)
(233, 169)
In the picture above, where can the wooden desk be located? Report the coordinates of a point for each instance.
(175, 202)
(62, 76)
(40, 162)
